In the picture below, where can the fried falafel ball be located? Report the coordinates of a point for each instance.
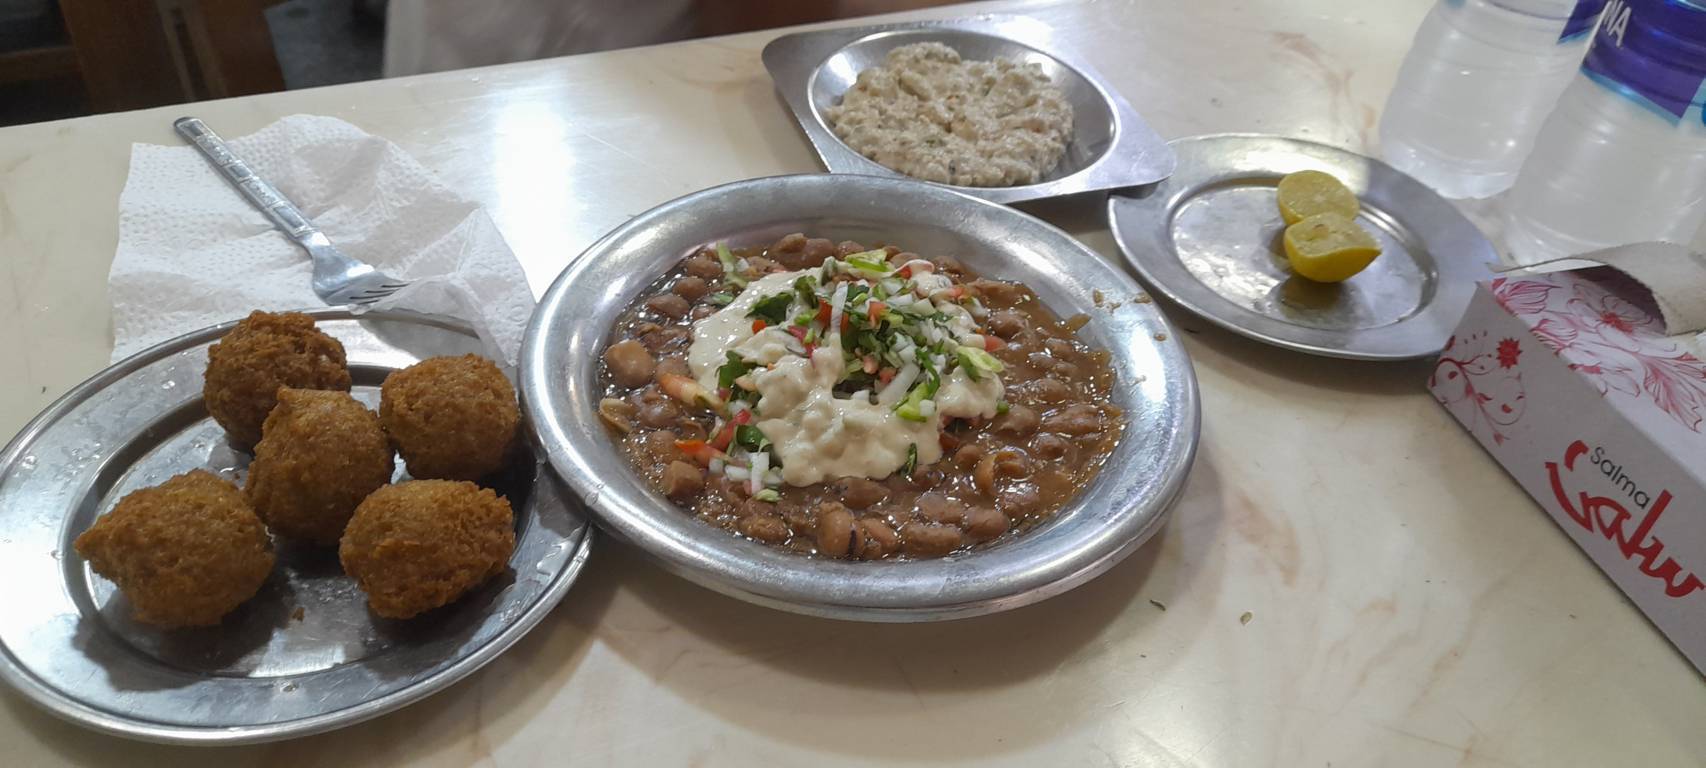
(320, 454)
(186, 552)
(421, 544)
(263, 352)
(451, 418)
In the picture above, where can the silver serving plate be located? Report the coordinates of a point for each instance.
(560, 364)
(1111, 145)
(67, 637)
(1208, 238)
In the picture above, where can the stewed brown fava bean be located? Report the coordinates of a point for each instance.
(1001, 471)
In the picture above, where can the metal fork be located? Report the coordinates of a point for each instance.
(338, 279)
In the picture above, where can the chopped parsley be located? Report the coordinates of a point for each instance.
(772, 309)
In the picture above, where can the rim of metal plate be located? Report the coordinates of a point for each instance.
(1128, 152)
(547, 490)
(1142, 222)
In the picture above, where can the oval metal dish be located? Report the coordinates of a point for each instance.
(1208, 238)
(1105, 522)
(1111, 145)
(302, 656)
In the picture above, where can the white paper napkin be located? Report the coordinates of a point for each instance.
(192, 252)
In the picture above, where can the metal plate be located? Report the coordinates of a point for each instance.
(1209, 239)
(1106, 521)
(1111, 146)
(66, 634)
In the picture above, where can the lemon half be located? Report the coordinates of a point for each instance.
(1307, 193)
(1329, 247)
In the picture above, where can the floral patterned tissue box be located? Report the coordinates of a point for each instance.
(1571, 382)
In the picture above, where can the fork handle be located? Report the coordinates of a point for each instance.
(283, 213)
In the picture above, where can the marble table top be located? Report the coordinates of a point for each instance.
(1407, 604)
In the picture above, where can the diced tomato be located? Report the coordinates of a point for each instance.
(904, 272)
(699, 451)
(724, 436)
(823, 313)
(744, 417)
(991, 342)
(876, 309)
(723, 393)
(758, 325)
(956, 292)
(797, 332)
(885, 376)
(845, 322)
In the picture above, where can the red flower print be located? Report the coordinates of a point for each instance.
(1555, 333)
(1522, 297)
(1678, 385)
(1612, 319)
(1620, 347)
(1473, 382)
(1509, 351)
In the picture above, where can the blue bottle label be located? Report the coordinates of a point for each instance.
(1581, 19)
(1652, 52)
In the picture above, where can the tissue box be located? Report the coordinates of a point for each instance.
(1570, 381)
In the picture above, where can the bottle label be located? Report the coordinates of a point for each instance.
(1581, 20)
(1648, 51)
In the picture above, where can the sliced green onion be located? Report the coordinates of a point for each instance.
(869, 263)
(911, 460)
(1001, 407)
(720, 298)
(731, 269)
(911, 408)
(768, 494)
(978, 362)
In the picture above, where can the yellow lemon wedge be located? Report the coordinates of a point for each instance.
(1306, 193)
(1329, 248)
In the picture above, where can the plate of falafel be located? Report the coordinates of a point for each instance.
(277, 526)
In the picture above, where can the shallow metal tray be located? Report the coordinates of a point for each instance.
(1109, 519)
(1111, 146)
(267, 672)
(1209, 239)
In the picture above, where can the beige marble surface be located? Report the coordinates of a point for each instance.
(1409, 605)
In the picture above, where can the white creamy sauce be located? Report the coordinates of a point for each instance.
(714, 336)
(784, 387)
(825, 438)
(818, 436)
(962, 398)
(765, 347)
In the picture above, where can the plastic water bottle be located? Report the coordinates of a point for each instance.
(1480, 78)
(1623, 158)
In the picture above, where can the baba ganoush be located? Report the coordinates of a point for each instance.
(929, 114)
(856, 402)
